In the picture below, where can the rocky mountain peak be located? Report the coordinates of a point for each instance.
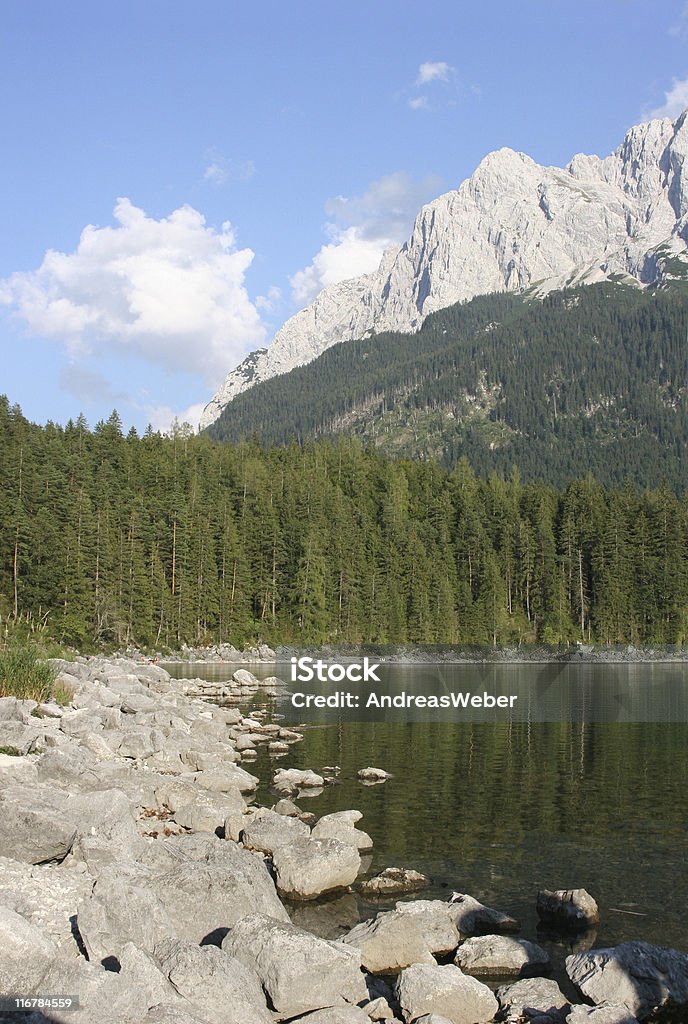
(512, 225)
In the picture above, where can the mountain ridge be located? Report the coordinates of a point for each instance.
(585, 380)
(512, 225)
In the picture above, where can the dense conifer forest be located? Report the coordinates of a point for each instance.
(113, 539)
(588, 380)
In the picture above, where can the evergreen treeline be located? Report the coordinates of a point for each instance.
(587, 380)
(114, 539)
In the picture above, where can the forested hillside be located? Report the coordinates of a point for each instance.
(587, 380)
(116, 539)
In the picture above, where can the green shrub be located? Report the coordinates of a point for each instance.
(22, 675)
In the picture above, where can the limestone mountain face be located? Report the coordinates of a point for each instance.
(513, 225)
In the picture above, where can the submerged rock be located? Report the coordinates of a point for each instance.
(473, 918)
(395, 881)
(567, 908)
(499, 954)
(288, 781)
(374, 775)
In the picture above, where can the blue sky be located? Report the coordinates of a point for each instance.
(176, 179)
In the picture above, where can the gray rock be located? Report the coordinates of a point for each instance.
(269, 831)
(244, 742)
(341, 825)
(501, 954)
(211, 884)
(220, 988)
(379, 1009)
(70, 767)
(26, 954)
(224, 780)
(33, 827)
(228, 716)
(439, 931)
(132, 703)
(389, 943)
(290, 780)
(637, 974)
(395, 881)
(533, 999)
(106, 815)
(287, 808)
(245, 678)
(299, 972)
(473, 918)
(567, 908)
(444, 990)
(140, 742)
(337, 1015)
(166, 1013)
(22, 738)
(172, 791)
(119, 911)
(122, 998)
(46, 895)
(605, 1013)
(14, 710)
(207, 812)
(307, 868)
(97, 744)
(80, 723)
(374, 775)
(144, 975)
(433, 1018)
(50, 709)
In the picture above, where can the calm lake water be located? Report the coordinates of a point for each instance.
(500, 804)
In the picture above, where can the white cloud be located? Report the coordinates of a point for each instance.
(348, 256)
(268, 303)
(221, 171)
(216, 173)
(162, 417)
(170, 291)
(360, 229)
(675, 100)
(432, 71)
(418, 103)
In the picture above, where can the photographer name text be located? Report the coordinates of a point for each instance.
(306, 670)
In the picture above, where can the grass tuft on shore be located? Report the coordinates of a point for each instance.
(23, 675)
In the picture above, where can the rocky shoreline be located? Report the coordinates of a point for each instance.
(138, 874)
(468, 654)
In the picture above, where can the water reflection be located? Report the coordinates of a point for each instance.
(502, 808)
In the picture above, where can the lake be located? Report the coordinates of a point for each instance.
(583, 783)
